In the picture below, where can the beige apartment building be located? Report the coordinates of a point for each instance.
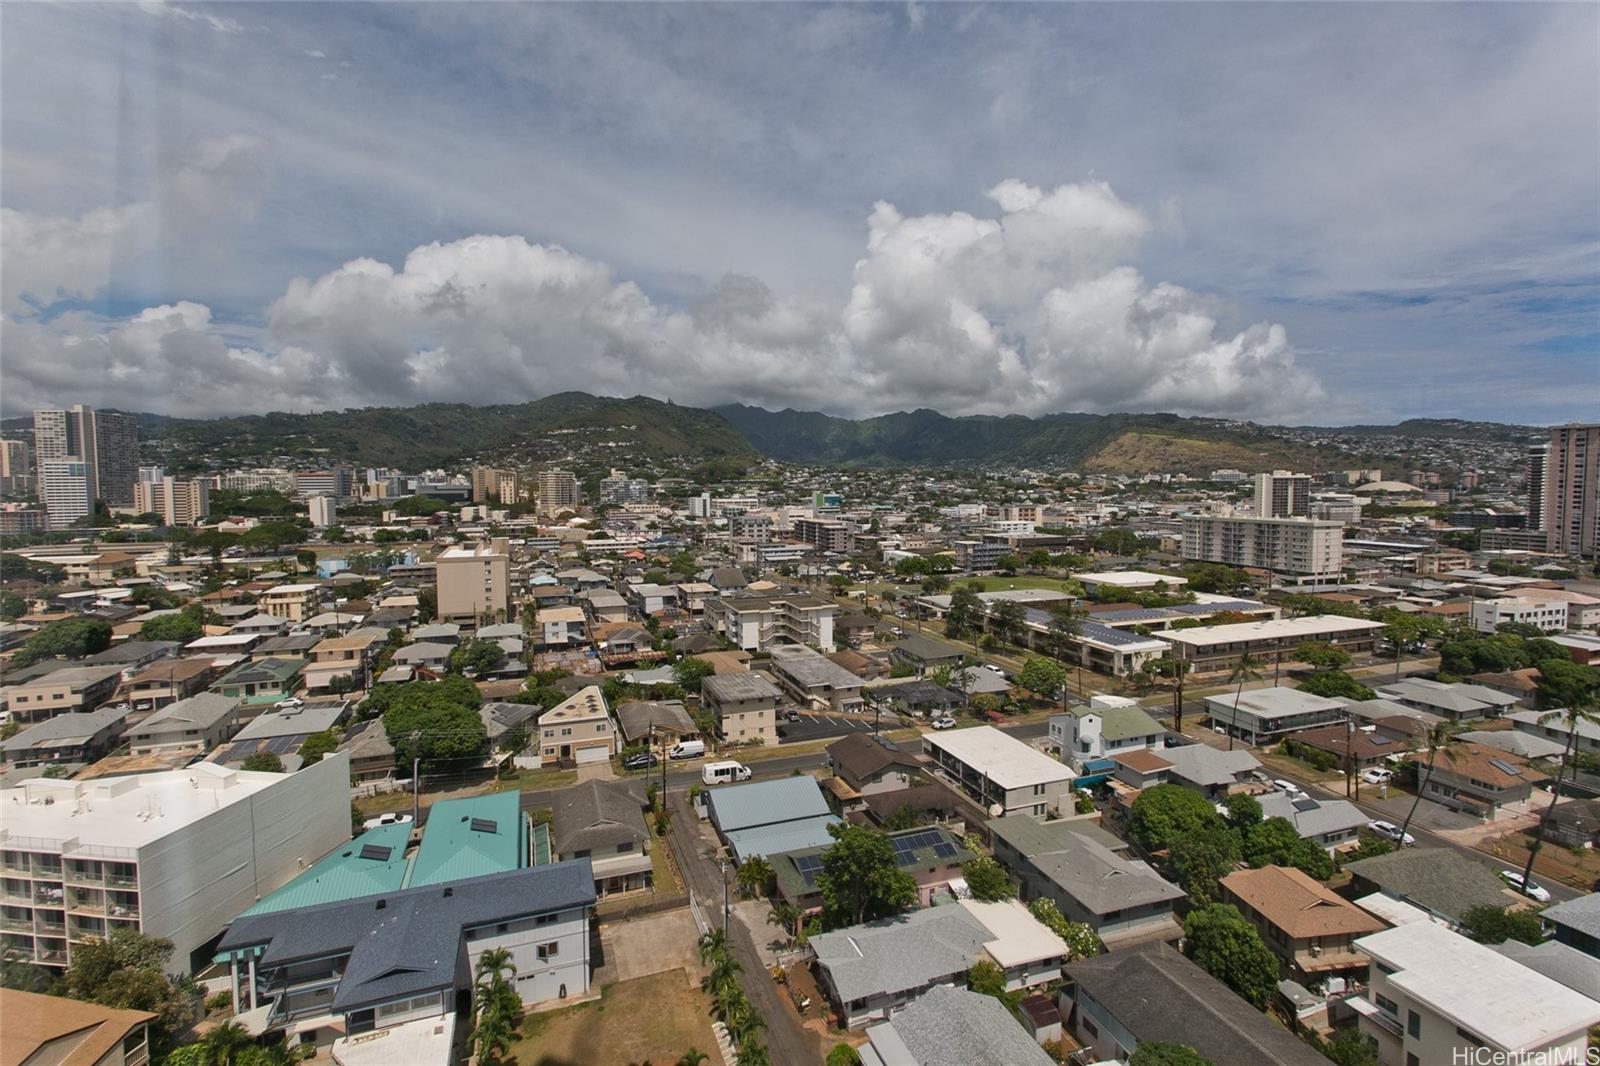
(745, 706)
(558, 491)
(1296, 550)
(494, 483)
(577, 730)
(472, 582)
(294, 602)
(74, 688)
(178, 502)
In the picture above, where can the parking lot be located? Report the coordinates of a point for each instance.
(814, 726)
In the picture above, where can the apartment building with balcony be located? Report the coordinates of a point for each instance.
(72, 689)
(174, 854)
(996, 768)
(756, 623)
(815, 681)
(168, 681)
(1297, 551)
(744, 706)
(294, 602)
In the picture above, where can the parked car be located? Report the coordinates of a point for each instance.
(1376, 775)
(287, 704)
(945, 722)
(992, 668)
(640, 760)
(1390, 831)
(392, 818)
(1533, 890)
(791, 715)
(1285, 786)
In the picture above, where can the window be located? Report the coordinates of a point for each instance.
(1089, 1027)
(1386, 1004)
(1412, 1060)
(1414, 1025)
(549, 951)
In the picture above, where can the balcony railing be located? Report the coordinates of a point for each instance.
(16, 925)
(119, 881)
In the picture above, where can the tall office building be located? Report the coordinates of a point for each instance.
(1572, 489)
(1538, 470)
(105, 441)
(324, 511)
(558, 491)
(1281, 494)
(493, 483)
(64, 489)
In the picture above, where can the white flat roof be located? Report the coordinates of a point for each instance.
(1006, 761)
(1304, 628)
(1499, 999)
(1019, 937)
(1276, 702)
(123, 812)
(1130, 578)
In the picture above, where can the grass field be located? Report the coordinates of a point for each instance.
(1024, 581)
(649, 1019)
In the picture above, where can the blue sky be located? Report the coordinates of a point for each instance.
(1302, 212)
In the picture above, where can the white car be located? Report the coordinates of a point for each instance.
(1533, 890)
(386, 819)
(946, 722)
(1374, 775)
(1390, 831)
(992, 668)
(291, 702)
(1286, 786)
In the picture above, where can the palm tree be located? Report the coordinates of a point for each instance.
(493, 963)
(1243, 670)
(723, 977)
(226, 1041)
(785, 916)
(1440, 737)
(713, 944)
(693, 1057)
(1585, 712)
(753, 1051)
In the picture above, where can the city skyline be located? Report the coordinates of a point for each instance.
(295, 208)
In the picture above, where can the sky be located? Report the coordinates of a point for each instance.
(1289, 213)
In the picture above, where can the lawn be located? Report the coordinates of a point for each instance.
(1024, 581)
(649, 1019)
(535, 780)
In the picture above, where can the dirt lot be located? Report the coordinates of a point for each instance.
(659, 943)
(651, 1019)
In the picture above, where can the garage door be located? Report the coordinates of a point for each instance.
(594, 754)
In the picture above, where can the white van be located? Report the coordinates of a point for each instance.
(687, 749)
(721, 773)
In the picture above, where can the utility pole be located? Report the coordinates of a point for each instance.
(416, 780)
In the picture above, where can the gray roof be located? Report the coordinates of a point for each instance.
(948, 1026)
(1582, 914)
(66, 728)
(294, 721)
(1457, 698)
(597, 816)
(1561, 963)
(499, 716)
(1101, 880)
(809, 668)
(1515, 741)
(745, 685)
(200, 711)
(918, 646)
(1436, 879)
(784, 799)
(1312, 817)
(668, 716)
(423, 651)
(899, 954)
(1158, 995)
(442, 632)
(133, 651)
(1204, 765)
(1031, 836)
(408, 942)
(300, 642)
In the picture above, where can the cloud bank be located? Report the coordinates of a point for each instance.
(1033, 308)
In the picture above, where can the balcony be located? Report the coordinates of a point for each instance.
(10, 924)
(121, 881)
(85, 877)
(56, 929)
(1375, 1014)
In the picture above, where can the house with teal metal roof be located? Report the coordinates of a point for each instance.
(471, 837)
(372, 863)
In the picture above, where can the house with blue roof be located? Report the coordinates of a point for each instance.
(769, 817)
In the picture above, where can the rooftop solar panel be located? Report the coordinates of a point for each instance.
(944, 849)
(1505, 767)
(376, 851)
(485, 825)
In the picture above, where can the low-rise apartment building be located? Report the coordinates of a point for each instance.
(1210, 649)
(756, 623)
(815, 681)
(71, 689)
(167, 681)
(1264, 716)
(994, 768)
(577, 730)
(174, 854)
(745, 707)
(560, 627)
(67, 738)
(1549, 615)
(294, 602)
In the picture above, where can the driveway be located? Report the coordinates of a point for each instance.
(657, 942)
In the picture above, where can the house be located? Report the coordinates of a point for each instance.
(1514, 741)
(915, 697)
(745, 707)
(348, 657)
(604, 606)
(1574, 823)
(342, 971)
(1442, 882)
(866, 667)
(1577, 923)
(652, 599)
(623, 642)
(868, 766)
(1564, 965)
(167, 681)
(67, 738)
(1453, 701)
(54, 1030)
(1141, 768)
(1040, 1017)
(769, 817)
(501, 718)
(63, 691)
(1542, 724)
(932, 855)
(1330, 823)
(438, 633)
(1480, 780)
(371, 754)
(855, 629)
(1107, 727)
(1426, 1002)
(1304, 923)
(996, 768)
(1209, 770)
(870, 972)
(257, 684)
(603, 821)
(813, 681)
(1151, 993)
(928, 803)
(560, 627)
(1086, 872)
(199, 722)
(281, 731)
(1265, 716)
(948, 1025)
(1354, 747)
(134, 654)
(924, 653)
(426, 655)
(578, 730)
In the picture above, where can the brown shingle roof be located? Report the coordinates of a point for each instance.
(32, 1020)
(1143, 760)
(1301, 907)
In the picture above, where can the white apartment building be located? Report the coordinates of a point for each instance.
(995, 768)
(174, 854)
(66, 490)
(1300, 551)
(1548, 615)
(324, 511)
(178, 502)
(1281, 494)
(1437, 997)
(473, 582)
(559, 627)
(757, 622)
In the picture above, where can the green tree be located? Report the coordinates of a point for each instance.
(1166, 1053)
(496, 1004)
(74, 638)
(263, 762)
(1164, 813)
(755, 874)
(12, 606)
(436, 720)
(987, 979)
(1321, 655)
(1044, 677)
(1228, 948)
(128, 971)
(1006, 620)
(1440, 740)
(1246, 669)
(987, 879)
(225, 1044)
(314, 747)
(1276, 842)
(690, 672)
(1351, 1047)
(1496, 925)
(1582, 714)
(1079, 936)
(964, 613)
(479, 656)
(1563, 683)
(25, 976)
(1244, 811)
(184, 626)
(1336, 685)
(842, 1055)
(1201, 859)
(860, 880)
